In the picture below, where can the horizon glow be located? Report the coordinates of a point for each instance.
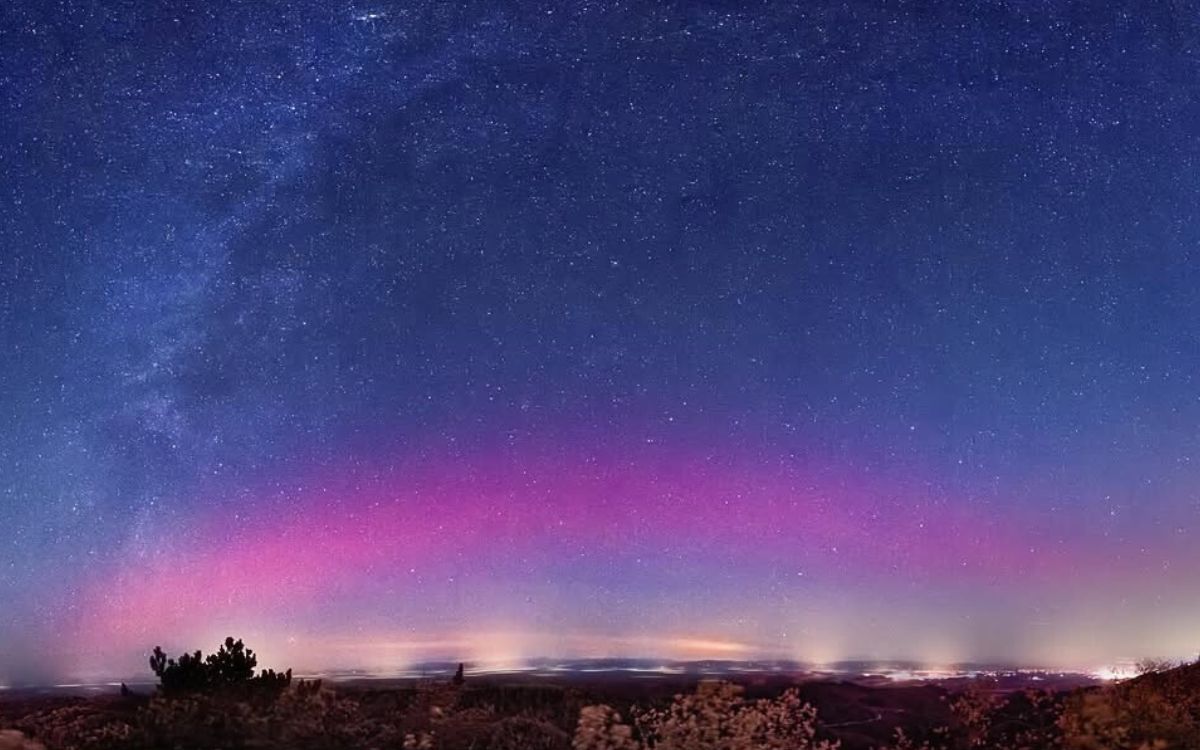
(810, 332)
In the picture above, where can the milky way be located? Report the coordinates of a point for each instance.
(382, 332)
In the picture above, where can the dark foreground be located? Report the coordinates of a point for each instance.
(622, 713)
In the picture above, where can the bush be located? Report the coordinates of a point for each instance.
(715, 717)
(601, 728)
(231, 666)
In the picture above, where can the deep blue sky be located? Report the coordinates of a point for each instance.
(936, 259)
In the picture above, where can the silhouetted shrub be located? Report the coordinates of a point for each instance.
(187, 674)
(233, 663)
(231, 666)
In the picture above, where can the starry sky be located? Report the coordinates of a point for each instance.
(375, 332)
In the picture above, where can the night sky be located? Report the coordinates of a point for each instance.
(381, 332)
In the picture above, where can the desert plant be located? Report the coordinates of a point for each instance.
(716, 717)
(601, 728)
(975, 709)
(77, 724)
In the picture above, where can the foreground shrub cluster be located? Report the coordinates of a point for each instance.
(715, 717)
(220, 702)
(232, 666)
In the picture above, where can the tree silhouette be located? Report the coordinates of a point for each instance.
(231, 666)
(188, 673)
